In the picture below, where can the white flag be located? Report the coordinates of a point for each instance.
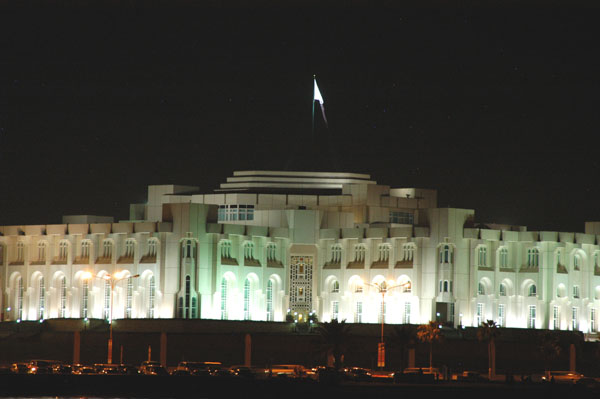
(318, 97)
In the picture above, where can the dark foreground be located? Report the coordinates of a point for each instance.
(141, 386)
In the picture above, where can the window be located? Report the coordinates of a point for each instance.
(129, 299)
(152, 245)
(502, 290)
(384, 252)
(482, 257)
(272, 251)
(479, 314)
(41, 251)
(42, 299)
(503, 258)
(533, 257)
(335, 310)
(188, 249)
(151, 296)
(19, 299)
(531, 317)
(532, 290)
(224, 299)
(556, 318)
(106, 302)
(63, 297)
(270, 300)
(225, 249)
(408, 252)
(406, 313)
(358, 313)
(20, 251)
(235, 212)
(335, 287)
(107, 249)
(85, 248)
(129, 248)
(63, 250)
(359, 252)
(445, 254)
(576, 262)
(84, 298)
(336, 253)
(188, 296)
(593, 320)
(574, 319)
(575, 291)
(501, 315)
(480, 289)
(247, 299)
(401, 217)
(248, 250)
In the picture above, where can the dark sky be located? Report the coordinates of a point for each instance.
(493, 105)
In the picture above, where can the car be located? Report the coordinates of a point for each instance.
(241, 372)
(358, 374)
(471, 376)
(197, 368)
(286, 371)
(570, 377)
(153, 369)
(62, 368)
(80, 369)
(19, 368)
(108, 369)
(40, 366)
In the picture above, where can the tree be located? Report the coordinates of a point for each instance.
(429, 333)
(334, 337)
(488, 331)
(549, 349)
(404, 338)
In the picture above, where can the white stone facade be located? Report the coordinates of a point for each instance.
(267, 244)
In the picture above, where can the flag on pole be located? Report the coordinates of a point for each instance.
(318, 97)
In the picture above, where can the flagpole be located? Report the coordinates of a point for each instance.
(313, 105)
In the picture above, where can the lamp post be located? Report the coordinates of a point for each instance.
(113, 279)
(383, 289)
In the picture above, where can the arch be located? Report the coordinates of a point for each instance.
(445, 253)
(502, 256)
(251, 283)
(59, 283)
(378, 279)
(533, 257)
(355, 283)
(360, 252)
(509, 287)
(578, 259)
(561, 291)
(148, 281)
(528, 288)
(408, 251)
(484, 287)
(481, 254)
(406, 284)
(17, 295)
(39, 284)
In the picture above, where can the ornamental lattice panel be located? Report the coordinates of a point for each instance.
(301, 271)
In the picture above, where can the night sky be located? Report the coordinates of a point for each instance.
(496, 106)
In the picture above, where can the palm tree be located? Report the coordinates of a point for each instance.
(404, 338)
(488, 331)
(334, 339)
(429, 333)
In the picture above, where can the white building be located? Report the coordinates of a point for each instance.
(267, 242)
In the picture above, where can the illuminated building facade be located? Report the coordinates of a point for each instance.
(266, 244)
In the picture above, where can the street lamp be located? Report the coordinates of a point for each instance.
(383, 288)
(113, 279)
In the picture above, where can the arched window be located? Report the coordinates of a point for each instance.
(224, 299)
(107, 247)
(41, 251)
(272, 251)
(247, 299)
(575, 291)
(482, 256)
(188, 295)
(384, 252)
(20, 251)
(129, 248)
(532, 290)
(152, 246)
(480, 289)
(533, 257)
(335, 287)
(576, 262)
(63, 250)
(408, 252)
(249, 250)
(151, 296)
(446, 254)
(503, 258)
(85, 249)
(336, 253)
(19, 304)
(187, 249)
(502, 290)
(270, 300)
(359, 252)
(63, 297)
(225, 249)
